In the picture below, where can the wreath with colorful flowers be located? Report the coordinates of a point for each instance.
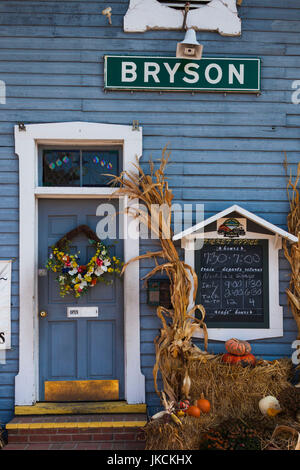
(75, 278)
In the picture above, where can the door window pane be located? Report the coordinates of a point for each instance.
(97, 164)
(61, 168)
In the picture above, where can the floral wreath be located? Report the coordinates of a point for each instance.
(74, 278)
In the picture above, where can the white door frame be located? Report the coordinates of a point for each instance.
(26, 147)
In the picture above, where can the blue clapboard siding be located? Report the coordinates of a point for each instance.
(225, 149)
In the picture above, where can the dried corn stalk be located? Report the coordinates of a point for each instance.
(292, 253)
(173, 346)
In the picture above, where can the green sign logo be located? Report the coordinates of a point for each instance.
(170, 73)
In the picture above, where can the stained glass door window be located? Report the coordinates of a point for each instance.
(61, 168)
(78, 167)
(96, 165)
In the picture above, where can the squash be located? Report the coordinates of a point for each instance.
(184, 404)
(269, 406)
(246, 360)
(193, 411)
(203, 405)
(237, 347)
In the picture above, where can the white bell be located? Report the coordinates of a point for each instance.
(190, 38)
(189, 48)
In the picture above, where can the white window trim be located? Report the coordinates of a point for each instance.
(26, 147)
(275, 310)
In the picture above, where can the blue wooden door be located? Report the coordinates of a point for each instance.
(78, 348)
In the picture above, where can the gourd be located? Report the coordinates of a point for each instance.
(203, 405)
(269, 406)
(193, 411)
(237, 347)
(184, 404)
(247, 359)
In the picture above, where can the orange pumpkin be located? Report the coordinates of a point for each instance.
(237, 347)
(247, 359)
(203, 405)
(193, 411)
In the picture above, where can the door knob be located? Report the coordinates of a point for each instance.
(43, 314)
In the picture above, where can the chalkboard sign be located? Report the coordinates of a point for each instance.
(233, 283)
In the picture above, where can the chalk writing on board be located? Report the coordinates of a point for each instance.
(231, 282)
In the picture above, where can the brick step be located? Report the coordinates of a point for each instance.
(98, 432)
(76, 446)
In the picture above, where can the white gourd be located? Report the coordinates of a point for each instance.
(268, 402)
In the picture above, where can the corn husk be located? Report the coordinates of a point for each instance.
(173, 345)
(292, 253)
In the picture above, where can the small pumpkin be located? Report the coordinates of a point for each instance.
(237, 347)
(193, 411)
(247, 359)
(203, 405)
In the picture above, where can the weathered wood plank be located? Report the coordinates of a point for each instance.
(238, 194)
(293, 120)
(79, 408)
(229, 144)
(227, 181)
(179, 106)
(53, 115)
(81, 390)
(45, 87)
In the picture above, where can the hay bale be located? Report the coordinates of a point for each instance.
(233, 391)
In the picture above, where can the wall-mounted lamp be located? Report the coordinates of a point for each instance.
(158, 293)
(189, 48)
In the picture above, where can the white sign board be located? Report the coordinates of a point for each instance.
(77, 312)
(5, 305)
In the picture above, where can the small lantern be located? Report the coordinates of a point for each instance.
(158, 293)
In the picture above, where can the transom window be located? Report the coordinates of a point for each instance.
(84, 167)
(180, 5)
